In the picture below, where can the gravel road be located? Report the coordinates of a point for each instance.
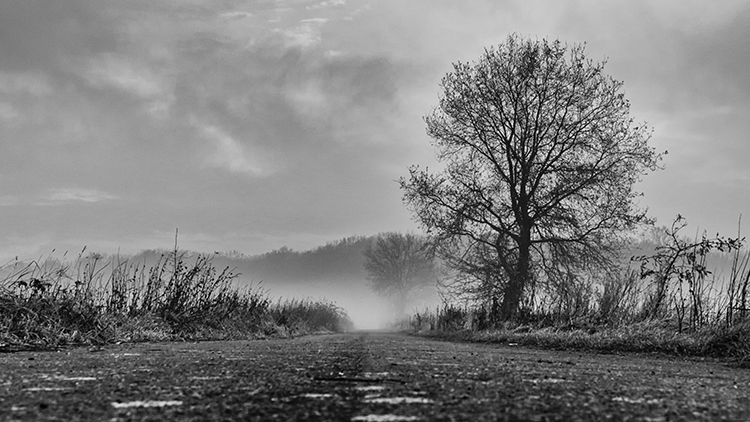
(363, 377)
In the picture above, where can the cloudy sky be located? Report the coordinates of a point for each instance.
(254, 124)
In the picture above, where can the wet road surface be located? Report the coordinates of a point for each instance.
(363, 377)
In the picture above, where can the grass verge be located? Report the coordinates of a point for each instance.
(649, 336)
(51, 303)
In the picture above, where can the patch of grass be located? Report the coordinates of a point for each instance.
(671, 304)
(647, 336)
(50, 303)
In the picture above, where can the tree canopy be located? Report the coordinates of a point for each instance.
(399, 266)
(539, 159)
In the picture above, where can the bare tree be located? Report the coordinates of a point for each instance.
(539, 161)
(399, 266)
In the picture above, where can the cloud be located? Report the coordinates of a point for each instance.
(18, 90)
(132, 78)
(318, 21)
(291, 120)
(8, 200)
(309, 99)
(253, 126)
(24, 82)
(237, 14)
(303, 36)
(230, 154)
(124, 74)
(9, 113)
(65, 195)
(327, 3)
(36, 34)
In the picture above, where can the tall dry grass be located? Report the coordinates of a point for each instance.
(51, 302)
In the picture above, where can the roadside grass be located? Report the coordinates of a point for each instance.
(52, 302)
(309, 315)
(667, 302)
(659, 336)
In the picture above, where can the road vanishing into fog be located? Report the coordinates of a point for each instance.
(367, 376)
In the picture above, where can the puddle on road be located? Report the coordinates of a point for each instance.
(48, 377)
(375, 374)
(399, 400)
(119, 355)
(636, 401)
(384, 418)
(47, 389)
(369, 388)
(546, 380)
(147, 403)
(62, 378)
(318, 395)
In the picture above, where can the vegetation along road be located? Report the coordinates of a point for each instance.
(362, 377)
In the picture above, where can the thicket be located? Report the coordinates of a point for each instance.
(52, 302)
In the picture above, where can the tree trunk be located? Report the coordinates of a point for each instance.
(513, 291)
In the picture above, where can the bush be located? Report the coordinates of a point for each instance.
(308, 316)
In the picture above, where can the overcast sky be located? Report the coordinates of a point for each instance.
(250, 125)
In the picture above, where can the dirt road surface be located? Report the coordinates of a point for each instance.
(363, 377)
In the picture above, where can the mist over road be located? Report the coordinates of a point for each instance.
(366, 376)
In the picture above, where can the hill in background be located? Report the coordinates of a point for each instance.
(341, 261)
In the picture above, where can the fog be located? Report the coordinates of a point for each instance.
(333, 272)
(367, 309)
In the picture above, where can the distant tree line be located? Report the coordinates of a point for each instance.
(341, 260)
